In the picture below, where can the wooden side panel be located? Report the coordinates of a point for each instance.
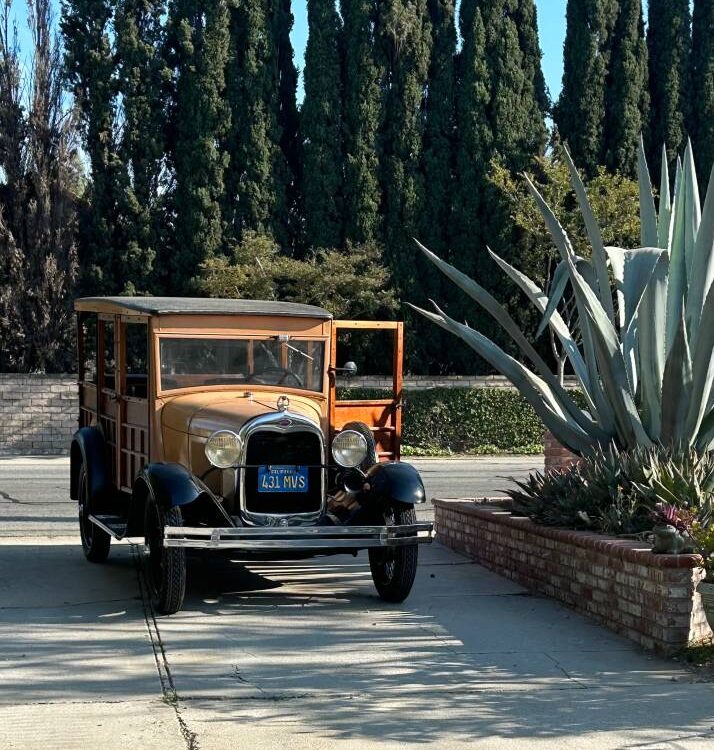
(133, 413)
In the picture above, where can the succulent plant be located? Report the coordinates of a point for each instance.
(645, 315)
(623, 492)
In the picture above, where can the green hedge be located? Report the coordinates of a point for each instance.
(464, 420)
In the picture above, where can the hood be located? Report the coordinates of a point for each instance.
(203, 413)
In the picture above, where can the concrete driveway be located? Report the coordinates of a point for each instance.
(303, 655)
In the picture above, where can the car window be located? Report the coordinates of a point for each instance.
(278, 360)
(137, 359)
(108, 356)
(88, 365)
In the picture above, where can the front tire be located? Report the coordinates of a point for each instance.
(95, 541)
(394, 568)
(167, 565)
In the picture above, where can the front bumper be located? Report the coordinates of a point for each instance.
(298, 538)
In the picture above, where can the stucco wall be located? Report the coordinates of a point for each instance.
(38, 413)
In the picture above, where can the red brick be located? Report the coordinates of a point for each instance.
(649, 598)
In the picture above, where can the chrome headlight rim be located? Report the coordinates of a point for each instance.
(339, 451)
(233, 452)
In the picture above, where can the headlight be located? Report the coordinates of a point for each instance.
(223, 449)
(349, 449)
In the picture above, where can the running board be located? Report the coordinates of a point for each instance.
(115, 526)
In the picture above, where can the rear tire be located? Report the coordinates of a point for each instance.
(371, 457)
(394, 568)
(167, 565)
(95, 541)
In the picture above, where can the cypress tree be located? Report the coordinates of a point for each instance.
(437, 168)
(518, 97)
(516, 112)
(438, 148)
(199, 30)
(627, 96)
(287, 161)
(321, 127)
(404, 44)
(362, 109)
(89, 65)
(473, 137)
(473, 149)
(580, 111)
(142, 74)
(668, 44)
(702, 88)
(260, 79)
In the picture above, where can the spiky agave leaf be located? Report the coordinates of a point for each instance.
(649, 375)
(599, 258)
(501, 316)
(535, 390)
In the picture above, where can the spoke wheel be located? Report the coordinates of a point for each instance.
(95, 541)
(167, 565)
(394, 568)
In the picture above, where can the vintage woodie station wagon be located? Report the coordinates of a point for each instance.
(216, 424)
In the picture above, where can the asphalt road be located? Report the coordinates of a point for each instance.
(303, 655)
(34, 492)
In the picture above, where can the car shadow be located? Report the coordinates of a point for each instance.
(307, 645)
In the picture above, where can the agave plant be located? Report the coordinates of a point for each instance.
(645, 316)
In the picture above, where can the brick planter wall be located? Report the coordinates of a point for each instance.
(557, 456)
(648, 598)
(38, 413)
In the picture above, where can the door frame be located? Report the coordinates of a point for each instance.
(386, 413)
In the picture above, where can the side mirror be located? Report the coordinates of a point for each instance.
(349, 370)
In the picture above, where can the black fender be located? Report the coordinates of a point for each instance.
(393, 481)
(171, 485)
(88, 447)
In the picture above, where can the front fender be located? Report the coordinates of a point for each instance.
(394, 481)
(88, 448)
(171, 485)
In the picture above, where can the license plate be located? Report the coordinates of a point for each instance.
(282, 479)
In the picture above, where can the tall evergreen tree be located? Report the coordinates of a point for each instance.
(362, 112)
(516, 112)
(518, 97)
(90, 68)
(473, 137)
(580, 111)
(439, 128)
(472, 154)
(261, 95)
(285, 219)
(199, 34)
(321, 127)
(669, 44)
(142, 75)
(627, 95)
(437, 168)
(702, 86)
(404, 44)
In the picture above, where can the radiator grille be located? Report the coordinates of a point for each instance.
(299, 448)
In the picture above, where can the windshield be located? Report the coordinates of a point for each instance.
(191, 362)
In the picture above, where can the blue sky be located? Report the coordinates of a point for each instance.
(551, 20)
(551, 25)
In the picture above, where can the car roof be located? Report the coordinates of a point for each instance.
(198, 306)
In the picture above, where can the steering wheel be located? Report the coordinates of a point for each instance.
(287, 375)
